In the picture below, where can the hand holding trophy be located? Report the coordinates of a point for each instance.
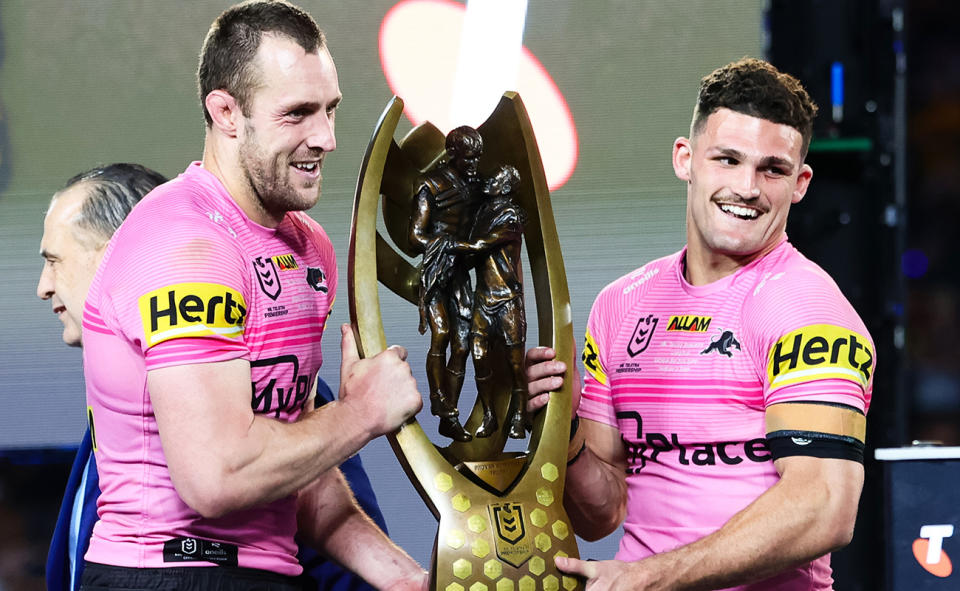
(463, 203)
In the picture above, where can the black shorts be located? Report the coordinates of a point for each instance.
(99, 577)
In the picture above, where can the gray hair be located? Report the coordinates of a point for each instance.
(112, 191)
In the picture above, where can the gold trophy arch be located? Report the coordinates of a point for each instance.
(501, 516)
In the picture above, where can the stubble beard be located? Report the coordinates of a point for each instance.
(269, 181)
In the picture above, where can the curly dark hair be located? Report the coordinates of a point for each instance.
(754, 87)
(231, 44)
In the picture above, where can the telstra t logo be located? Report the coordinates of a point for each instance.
(928, 550)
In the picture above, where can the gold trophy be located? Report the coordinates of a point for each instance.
(462, 203)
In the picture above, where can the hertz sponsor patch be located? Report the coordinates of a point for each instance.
(192, 310)
(285, 262)
(689, 323)
(817, 352)
(591, 359)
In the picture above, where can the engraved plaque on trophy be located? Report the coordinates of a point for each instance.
(458, 207)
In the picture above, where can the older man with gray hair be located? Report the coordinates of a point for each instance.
(80, 221)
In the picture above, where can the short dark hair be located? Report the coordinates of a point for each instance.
(462, 140)
(112, 191)
(754, 87)
(231, 44)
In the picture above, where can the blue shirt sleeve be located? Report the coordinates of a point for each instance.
(78, 513)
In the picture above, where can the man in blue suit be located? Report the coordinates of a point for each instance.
(80, 221)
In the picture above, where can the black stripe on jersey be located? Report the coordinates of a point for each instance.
(783, 444)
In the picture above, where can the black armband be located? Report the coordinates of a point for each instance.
(816, 429)
(783, 444)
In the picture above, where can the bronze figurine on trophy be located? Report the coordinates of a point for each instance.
(444, 207)
(498, 311)
(457, 209)
(458, 231)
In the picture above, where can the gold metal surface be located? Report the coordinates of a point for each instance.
(480, 542)
(498, 474)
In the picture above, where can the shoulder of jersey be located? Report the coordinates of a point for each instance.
(172, 200)
(184, 207)
(792, 276)
(311, 228)
(639, 280)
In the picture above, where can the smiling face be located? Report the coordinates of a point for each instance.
(743, 173)
(288, 130)
(69, 262)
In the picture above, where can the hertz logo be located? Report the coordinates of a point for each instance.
(817, 352)
(285, 262)
(689, 323)
(191, 310)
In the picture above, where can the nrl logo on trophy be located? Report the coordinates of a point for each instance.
(457, 209)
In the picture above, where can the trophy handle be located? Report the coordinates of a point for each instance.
(411, 445)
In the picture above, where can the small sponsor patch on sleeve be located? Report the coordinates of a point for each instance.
(817, 352)
(192, 310)
(591, 359)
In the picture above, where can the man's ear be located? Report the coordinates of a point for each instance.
(224, 111)
(803, 181)
(682, 157)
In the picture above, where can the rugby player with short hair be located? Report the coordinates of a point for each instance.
(202, 339)
(722, 419)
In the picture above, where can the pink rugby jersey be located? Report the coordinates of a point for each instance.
(188, 278)
(686, 373)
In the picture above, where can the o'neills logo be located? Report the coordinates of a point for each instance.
(817, 352)
(191, 310)
(512, 542)
(689, 323)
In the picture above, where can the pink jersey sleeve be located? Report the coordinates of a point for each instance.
(184, 281)
(808, 342)
(606, 315)
(596, 402)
